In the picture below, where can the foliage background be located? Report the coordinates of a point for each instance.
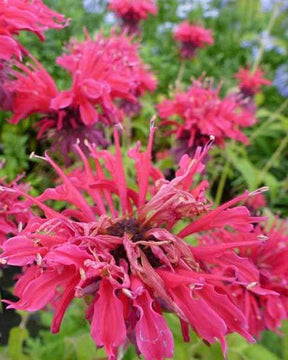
(241, 28)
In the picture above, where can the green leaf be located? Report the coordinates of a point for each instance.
(82, 347)
(17, 337)
(246, 168)
(258, 352)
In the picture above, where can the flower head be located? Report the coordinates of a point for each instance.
(107, 74)
(132, 12)
(191, 38)
(250, 83)
(123, 54)
(264, 301)
(124, 249)
(23, 15)
(199, 112)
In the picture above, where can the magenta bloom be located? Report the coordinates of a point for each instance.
(24, 15)
(123, 247)
(123, 55)
(199, 112)
(265, 301)
(131, 12)
(14, 213)
(250, 83)
(256, 202)
(107, 74)
(191, 38)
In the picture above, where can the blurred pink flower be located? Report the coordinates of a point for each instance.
(250, 83)
(191, 38)
(132, 12)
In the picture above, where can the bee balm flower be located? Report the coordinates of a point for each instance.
(191, 38)
(124, 249)
(199, 112)
(23, 15)
(250, 83)
(132, 12)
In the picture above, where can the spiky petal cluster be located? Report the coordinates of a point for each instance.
(191, 38)
(124, 53)
(200, 112)
(131, 12)
(265, 309)
(123, 250)
(256, 202)
(24, 15)
(105, 71)
(14, 213)
(251, 82)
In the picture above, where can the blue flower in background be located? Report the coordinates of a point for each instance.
(281, 80)
(268, 5)
(110, 18)
(95, 6)
(185, 6)
(269, 43)
(166, 26)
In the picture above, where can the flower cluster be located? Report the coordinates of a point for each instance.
(250, 83)
(264, 309)
(200, 112)
(107, 74)
(191, 38)
(130, 260)
(19, 15)
(132, 12)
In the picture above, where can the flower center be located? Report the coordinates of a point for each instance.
(132, 227)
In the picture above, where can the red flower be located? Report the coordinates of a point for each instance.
(256, 202)
(124, 68)
(108, 75)
(14, 213)
(191, 38)
(250, 83)
(265, 301)
(132, 12)
(24, 15)
(123, 247)
(203, 113)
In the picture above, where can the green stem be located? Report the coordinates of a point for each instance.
(273, 158)
(270, 120)
(127, 132)
(268, 31)
(178, 81)
(222, 183)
